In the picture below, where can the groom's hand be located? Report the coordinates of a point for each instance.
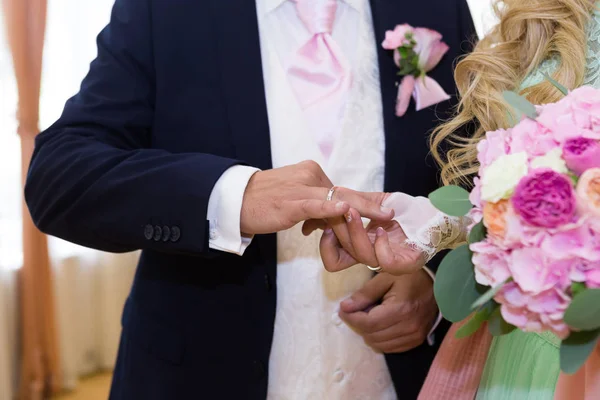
(277, 199)
(403, 319)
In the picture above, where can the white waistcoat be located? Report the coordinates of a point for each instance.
(314, 354)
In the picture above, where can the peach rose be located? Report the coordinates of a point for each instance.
(588, 190)
(494, 217)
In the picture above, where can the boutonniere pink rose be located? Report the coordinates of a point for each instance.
(416, 52)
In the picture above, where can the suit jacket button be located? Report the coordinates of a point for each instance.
(157, 233)
(166, 233)
(148, 232)
(260, 370)
(175, 234)
(268, 285)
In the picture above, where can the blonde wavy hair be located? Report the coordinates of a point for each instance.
(529, 32)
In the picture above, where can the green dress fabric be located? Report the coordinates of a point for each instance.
(525, 366)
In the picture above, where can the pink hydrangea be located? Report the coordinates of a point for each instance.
(491, 263)
(534, 313)
(494, 145)
(531, 137)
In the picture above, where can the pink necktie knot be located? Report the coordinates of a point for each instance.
(317, 15)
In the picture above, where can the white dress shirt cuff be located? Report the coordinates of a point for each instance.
(224, 210)
(431, 335)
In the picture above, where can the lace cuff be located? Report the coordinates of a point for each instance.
(427, 229)
(441, 233)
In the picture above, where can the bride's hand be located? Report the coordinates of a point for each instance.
(381, 244)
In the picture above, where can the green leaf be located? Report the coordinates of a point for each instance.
(576, 349)
(451, 200)
(574, 179)
(520, 104)
(498, 326)
(403, 52)
(476, 321)
(455, 288)
(584, 311)
(576, 288)
(557, 85)
(489, 295)
(478, 233)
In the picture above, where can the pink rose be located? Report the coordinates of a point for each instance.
(531, 137)
(399, 37)
(588, 190)
(545, 198)
(430, 48)
(581, 154)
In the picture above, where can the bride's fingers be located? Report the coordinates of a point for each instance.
(335, 257)
(398, 261)
(363, 248)
(340, 228)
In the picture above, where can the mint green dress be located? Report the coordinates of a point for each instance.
(525, 366)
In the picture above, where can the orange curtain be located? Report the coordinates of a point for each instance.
(40, 370)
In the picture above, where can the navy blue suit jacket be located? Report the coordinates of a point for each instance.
(174, 98)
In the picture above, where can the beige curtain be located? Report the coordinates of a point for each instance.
(40, 370)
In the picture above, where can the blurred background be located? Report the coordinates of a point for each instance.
(60, 304)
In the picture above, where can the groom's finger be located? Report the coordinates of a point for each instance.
(367, 204)
(371, 293)
(317, 209)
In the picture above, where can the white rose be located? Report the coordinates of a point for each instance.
(552, 160)
(502, 176)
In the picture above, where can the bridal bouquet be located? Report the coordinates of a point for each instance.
(532, 261)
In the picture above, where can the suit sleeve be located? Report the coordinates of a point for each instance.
(94, 178)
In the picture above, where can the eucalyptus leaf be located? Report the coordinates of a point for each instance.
(584, 311)
(520, 104)
(489, 295)
(476, 321)
(451, 200)
(478, 233)
(455, 288)
(557, 85)
(576, 288)
(576, 349)
(498, 326)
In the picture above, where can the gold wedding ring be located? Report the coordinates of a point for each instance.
(330, 193)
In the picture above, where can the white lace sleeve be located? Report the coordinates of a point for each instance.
(426, 228)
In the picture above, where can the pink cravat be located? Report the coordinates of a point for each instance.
(319, 73)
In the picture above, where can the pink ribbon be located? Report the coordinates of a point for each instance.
(425, 90)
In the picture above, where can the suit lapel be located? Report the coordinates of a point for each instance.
(238, 47)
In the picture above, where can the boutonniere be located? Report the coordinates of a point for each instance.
(416, 52)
